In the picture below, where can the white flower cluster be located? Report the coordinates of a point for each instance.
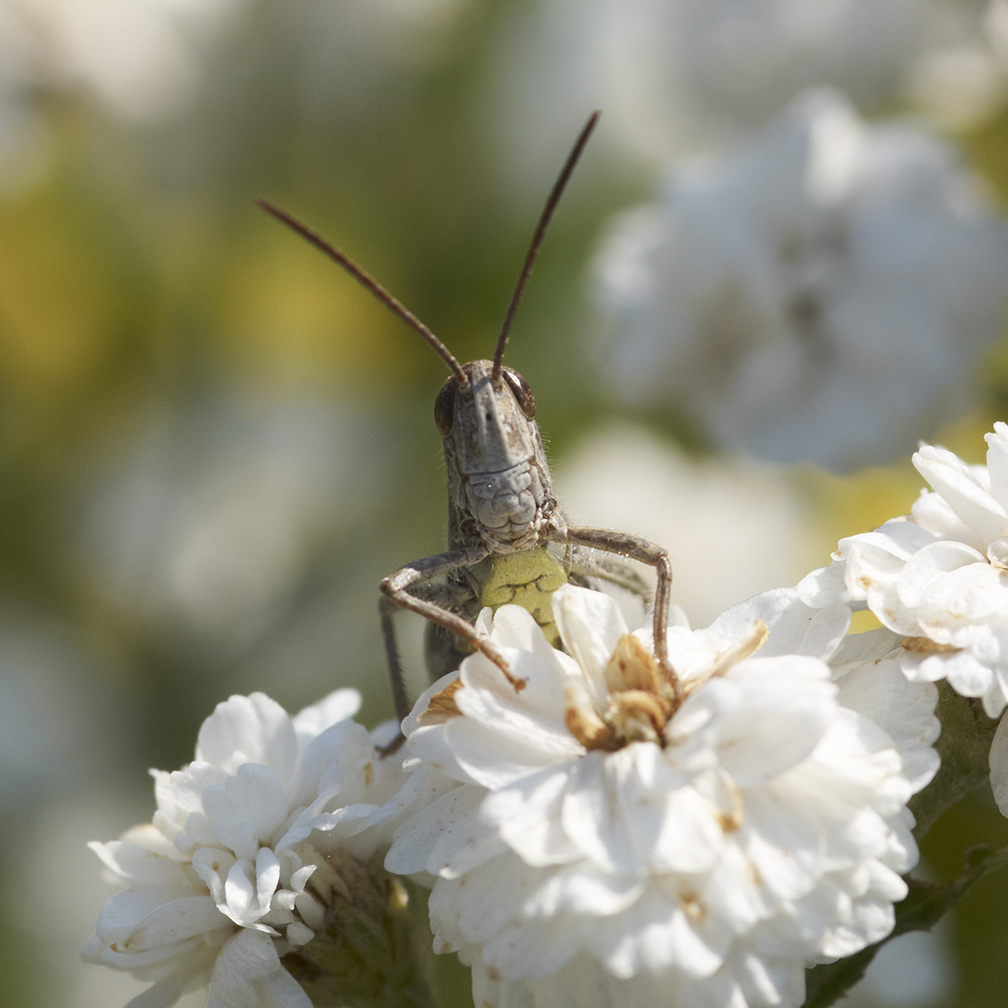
(605, 845)
(938, 578)
(609, 833)
(828, 283)
(235, 867)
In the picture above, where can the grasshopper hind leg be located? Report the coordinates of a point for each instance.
(443, 651)
(397, 680)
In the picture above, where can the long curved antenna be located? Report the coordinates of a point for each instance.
(537, 239)
(369, 282)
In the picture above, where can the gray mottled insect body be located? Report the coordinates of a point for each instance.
(500, 499)
(499, 489)
(508, 539)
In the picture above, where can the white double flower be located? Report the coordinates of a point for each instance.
(603, 845)
(938, 578)
(240, 861)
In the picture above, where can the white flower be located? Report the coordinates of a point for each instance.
(231, 873)
(140, 57)
(672, 74)
(939, 576)
(201, 526)
(866, 669)
(962, 76)
(602, 846)
(829, 281)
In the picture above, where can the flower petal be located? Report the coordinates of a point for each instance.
(960, 488)
(795, 627)
(151, 918)
(247, 810)
(997, 462)
(770, 714)
(340, 705)
(248, 974)
(590, 625)
(446, 836)
(137, 863)
(249, 729)
(506, 733)
(527, 814)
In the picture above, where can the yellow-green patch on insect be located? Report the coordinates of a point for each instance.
(508, 539)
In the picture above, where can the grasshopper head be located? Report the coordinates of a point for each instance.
(494, 454)
(481, 385)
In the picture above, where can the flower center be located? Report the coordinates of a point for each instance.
(640, 701)
(639, 705)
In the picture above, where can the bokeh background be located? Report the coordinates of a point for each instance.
(213, 444)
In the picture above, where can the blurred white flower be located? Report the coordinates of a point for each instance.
(672, 74)
(822, 294)
(603, 846)
(732, 526)
(937, 577)
(961, 77)
(204, 524)
(747, 58)
(139, 57)
(243, 854)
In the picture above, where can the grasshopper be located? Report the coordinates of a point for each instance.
(508, 539)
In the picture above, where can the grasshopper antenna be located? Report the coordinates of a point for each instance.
(537, 239)
(369, 282)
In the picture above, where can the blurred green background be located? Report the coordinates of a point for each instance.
(213, 444)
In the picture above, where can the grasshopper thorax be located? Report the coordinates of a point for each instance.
(499, 490)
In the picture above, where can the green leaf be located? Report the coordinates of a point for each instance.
(964, 745)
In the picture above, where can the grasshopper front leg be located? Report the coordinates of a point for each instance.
(399, 589)
(646, 552)
(444, 596)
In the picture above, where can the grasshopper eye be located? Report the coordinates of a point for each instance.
(521, 390)
(444, 407)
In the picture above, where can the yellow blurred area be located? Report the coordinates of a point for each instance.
(286, 315)
(863, 500)
(57, 305)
